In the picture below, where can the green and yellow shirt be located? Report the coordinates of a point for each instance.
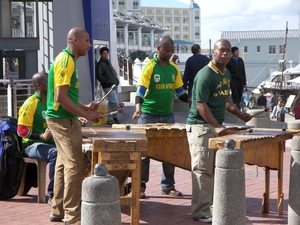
(62, 72)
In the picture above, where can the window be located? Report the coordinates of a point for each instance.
(158, 12)
(176, 12)
(281, 49)
(120, 36)
(185, 29)
(121, 4)
(197, 32)
(258, 49)
(176, 20)
(197, 17)
(185, 20)
(158, 20)
(185, 37)
(149, 11)
(176, 28)
(245, 49)
(185, 13)
(135, 4)
(176, 37)
(167, 12)
(168, 20)
(272, 49)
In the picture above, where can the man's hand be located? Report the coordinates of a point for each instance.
(82, 121)
(93, 116)
(245, 117)
(221, 131)
(92, 106)
(47, 134)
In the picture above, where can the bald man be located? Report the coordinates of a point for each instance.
(210, 99)
(37, 141)
(159, 81)
(63, 110)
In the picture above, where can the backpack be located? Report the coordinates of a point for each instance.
(11, 159)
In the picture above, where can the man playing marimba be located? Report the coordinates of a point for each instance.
(159, 80)
(210, 99)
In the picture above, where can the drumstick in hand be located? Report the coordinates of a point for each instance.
(114, 87)
(255, 114)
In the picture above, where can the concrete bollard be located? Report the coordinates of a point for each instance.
(100, 198)
(294, 193)
(229, 204)
(260, 121)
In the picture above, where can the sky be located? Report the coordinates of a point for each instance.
(238, 15)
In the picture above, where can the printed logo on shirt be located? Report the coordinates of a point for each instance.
(44, 114)
(220, 85)
(156, 78)
(63, 73)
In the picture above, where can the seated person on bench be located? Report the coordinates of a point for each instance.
(37, 141)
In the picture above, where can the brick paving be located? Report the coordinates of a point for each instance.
(159, 209)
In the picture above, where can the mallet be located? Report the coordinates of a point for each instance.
(114, 87)
(255, 114)
(121, 105)
(112, 112)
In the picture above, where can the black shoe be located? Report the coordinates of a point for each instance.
(116, 121)
(110, 122)
(55, 218)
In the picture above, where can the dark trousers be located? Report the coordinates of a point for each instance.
(236, 92)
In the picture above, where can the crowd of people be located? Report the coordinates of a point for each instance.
(50, 120)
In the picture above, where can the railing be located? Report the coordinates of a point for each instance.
(13, 93)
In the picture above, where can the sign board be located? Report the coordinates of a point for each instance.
(289, 101)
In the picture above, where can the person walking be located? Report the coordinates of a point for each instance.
(63, 109)
(210, 99)
(159, 80)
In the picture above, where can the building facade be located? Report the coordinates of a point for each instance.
(262, 50)
(179, 23)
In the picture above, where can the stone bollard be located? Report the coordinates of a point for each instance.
(100, 198)
(229, 204)
(294, 193)
(260, 121)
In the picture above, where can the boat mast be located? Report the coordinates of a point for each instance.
(282, 62)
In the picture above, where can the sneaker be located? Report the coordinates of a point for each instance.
(55, 218)
(116, 121)
(173, 192)
(205, 219)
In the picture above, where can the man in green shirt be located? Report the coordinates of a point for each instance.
(63, 110)
(210, 99)
(159, 81)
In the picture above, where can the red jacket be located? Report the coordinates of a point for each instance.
(297, 112)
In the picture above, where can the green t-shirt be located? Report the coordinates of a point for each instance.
(32, 115)
(62, 72)
(211, 87)
(160, 83)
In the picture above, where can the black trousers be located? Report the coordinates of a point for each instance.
(236, 92)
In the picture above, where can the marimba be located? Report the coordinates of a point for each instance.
(264, 148)
(120, 151)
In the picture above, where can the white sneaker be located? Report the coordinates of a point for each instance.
(205, 219)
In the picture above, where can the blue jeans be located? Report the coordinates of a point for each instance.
(167, 180)
(112, 102)
(44, 152)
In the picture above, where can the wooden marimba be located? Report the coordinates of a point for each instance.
(264, 148)
(120, 151)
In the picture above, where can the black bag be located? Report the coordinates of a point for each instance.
(11, 159)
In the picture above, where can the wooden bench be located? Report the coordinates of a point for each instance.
(41, 175)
